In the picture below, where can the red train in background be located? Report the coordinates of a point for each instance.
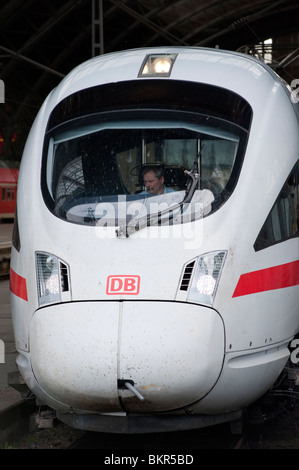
(8, 192)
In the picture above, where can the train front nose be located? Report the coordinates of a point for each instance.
(173, 352)
(83, 354)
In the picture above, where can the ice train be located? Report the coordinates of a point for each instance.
(154, 268)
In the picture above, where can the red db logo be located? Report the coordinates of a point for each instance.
(125, 285)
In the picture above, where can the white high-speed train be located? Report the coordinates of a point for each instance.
(154, 268)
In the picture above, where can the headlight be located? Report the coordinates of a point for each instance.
(52, 278)
(206, 277)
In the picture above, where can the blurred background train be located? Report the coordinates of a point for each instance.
(8, 191)
(138, 308)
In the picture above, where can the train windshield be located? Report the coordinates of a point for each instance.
(122, 168)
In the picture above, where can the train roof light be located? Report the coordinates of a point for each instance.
(157, 65)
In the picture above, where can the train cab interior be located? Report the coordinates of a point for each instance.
(91, 166)
(95, 149)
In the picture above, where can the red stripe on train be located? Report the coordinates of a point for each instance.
(18, 285)
(277, 277)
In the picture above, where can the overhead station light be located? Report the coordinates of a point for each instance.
(157, 65)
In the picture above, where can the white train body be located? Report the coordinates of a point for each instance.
(130, 323)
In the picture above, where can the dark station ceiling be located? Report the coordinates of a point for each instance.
(41, 41)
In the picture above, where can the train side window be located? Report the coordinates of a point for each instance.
(282, 222)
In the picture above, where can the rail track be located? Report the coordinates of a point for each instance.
(280, 432)
(161, 444)
(113, 446)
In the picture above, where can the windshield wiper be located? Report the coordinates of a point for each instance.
(146, 221)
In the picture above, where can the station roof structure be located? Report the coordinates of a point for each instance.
(40, 42)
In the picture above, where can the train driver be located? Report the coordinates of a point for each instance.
(153, 178)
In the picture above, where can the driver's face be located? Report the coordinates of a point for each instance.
(153, 184)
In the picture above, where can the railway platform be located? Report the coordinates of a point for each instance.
(7, 347)
(11, 401)
(6, 230)
(8, 352)
(5, 233)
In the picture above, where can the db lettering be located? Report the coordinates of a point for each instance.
(123, 285)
